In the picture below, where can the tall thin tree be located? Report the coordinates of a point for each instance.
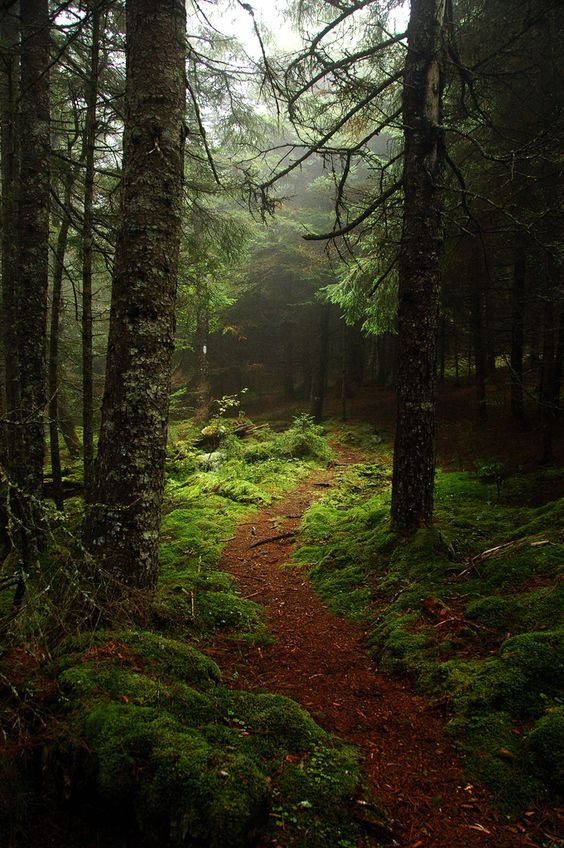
(421, 240)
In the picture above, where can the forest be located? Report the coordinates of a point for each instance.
(281, 430)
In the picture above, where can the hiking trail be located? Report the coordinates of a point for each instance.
(318, 659)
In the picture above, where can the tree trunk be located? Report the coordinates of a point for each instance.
(66, 424)
(319, 373)
(559, 362)
(548, 400)
(442, 351)
(420, 249)
(122, 529)
(203, 393)
(53, 364)
(32, 272)
(306, 354)
(517, 326)
(478, 336)
(9, 92)
(288, 354)
(89, 147)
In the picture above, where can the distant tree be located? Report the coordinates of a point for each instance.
(122, 526)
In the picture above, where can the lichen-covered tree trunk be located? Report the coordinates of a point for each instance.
(414, 454)
(123, 522)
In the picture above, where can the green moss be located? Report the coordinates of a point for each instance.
(207, 765)
(177, 659)
(545, 745)
(177, 786)
(520, 611)
(493, 751)
(530, 668)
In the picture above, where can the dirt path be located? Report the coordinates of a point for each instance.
(319, 660)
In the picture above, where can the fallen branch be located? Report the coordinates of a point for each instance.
(516, 545)
(272, 539)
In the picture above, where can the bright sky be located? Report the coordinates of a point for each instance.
(269, 14)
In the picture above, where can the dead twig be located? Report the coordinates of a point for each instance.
(516, 544)
(277, 538)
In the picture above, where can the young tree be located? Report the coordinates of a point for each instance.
(123, 521)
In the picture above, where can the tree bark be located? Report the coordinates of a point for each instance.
(53, 364)
(477, 326)
(122, 529)
(549, 383)
(319, 373)
(202, 381)
(420, 249)
(9, 92)
(517, 329)
(89, 147)
(32, 274)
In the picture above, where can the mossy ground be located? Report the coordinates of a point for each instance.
(138, 722)
(482, 632)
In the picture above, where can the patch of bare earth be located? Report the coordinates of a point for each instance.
(319, 660)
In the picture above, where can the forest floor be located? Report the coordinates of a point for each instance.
(318, 659)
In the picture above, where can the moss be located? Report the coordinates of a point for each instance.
(240, 491)
(545, 745)
(520, 611)
(274, 717)
(530, 667)
(205, 766)
(156, 740)
(176, 785)
(156, 654)
(493, 751)
(168, 656)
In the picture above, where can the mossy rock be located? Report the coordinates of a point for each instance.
(178, 787)
(530, 667)
(545, 744)
(520, 611)
(155, 654)
(174, 658)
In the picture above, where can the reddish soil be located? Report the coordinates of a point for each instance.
(318, 659)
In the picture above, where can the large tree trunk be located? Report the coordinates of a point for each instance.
(421, 241)
(9, 88)
(122, 530)
(31, 323)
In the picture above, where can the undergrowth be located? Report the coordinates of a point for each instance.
(472, 610)
(136, 727)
